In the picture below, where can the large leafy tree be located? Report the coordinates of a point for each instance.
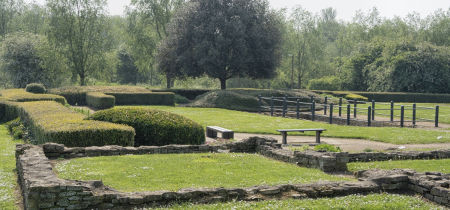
(21, 62)
(222, 39)
(79, 31)
(146, 26)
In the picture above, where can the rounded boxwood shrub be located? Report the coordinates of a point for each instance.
(155, 127)
(35, 88)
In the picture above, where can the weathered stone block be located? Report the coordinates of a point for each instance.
(270, 191)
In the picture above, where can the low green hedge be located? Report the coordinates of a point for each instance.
(20, 95)
(76, 95)
(190, 94)
(144, 98)
(35, 88)
(155, 127)
(100, 100)
(343, 94)
(53, 122)
(406, 97)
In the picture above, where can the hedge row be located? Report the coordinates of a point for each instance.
(100, 100)
(190, 94)
(53, 122)
(406, 97)
(155, 127)
(20, 95)
(144, 98)
(35, 88)
(343, 94)
(76, 95)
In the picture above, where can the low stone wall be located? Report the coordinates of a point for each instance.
(42, 189)
(399, 155)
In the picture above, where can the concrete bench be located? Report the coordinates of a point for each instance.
(211, 131)
(285, 131)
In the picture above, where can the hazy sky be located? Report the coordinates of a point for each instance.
(345, 8)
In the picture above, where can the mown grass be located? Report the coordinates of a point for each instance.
(175, 171)
(373, 201)
(244, 122)
(442, 165)
(8, 180)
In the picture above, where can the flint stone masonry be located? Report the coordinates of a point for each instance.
(42, 189)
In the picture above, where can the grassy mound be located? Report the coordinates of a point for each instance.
(155, 127)
(246, 99)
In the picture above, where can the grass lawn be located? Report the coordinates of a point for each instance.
(442, 165)
(373, 201)
(244, 122)
(175, 171)
(8, 180)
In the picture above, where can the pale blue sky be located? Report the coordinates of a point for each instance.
(346, 9)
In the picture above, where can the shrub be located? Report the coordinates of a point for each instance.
(325, 83)
(328, 148)
(100, 100)
(155, 127)
(144, 98)
(35, 88)
(53, 122)
(181, 99)
(13, 123)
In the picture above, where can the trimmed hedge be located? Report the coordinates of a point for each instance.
(100, 100)
(20, 95)
(76, 95)
(35, 88)
(190, 94)
(406, 97)
(343, 94)
(144, 98)
(53, 122)
(155, 127)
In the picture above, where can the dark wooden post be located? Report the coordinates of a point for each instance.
(331, 113)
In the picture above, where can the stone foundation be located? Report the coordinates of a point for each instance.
(42, 189)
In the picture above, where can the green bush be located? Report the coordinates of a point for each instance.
(181, 99)
(52, 122)
(100, 100)
(328, 148)
(155, 127)
(325, 83)
(13, 123)
(76, 95)
(35, 88)
(144, 98)
(190, 94)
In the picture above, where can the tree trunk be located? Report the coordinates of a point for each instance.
(168, 81)
(82, 80)
(299, 82)
(223, 84)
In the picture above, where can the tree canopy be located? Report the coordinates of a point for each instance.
(222, 39)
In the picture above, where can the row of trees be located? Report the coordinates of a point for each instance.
(241, 43)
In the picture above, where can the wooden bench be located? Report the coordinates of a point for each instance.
(285, 131)
(211, 131)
